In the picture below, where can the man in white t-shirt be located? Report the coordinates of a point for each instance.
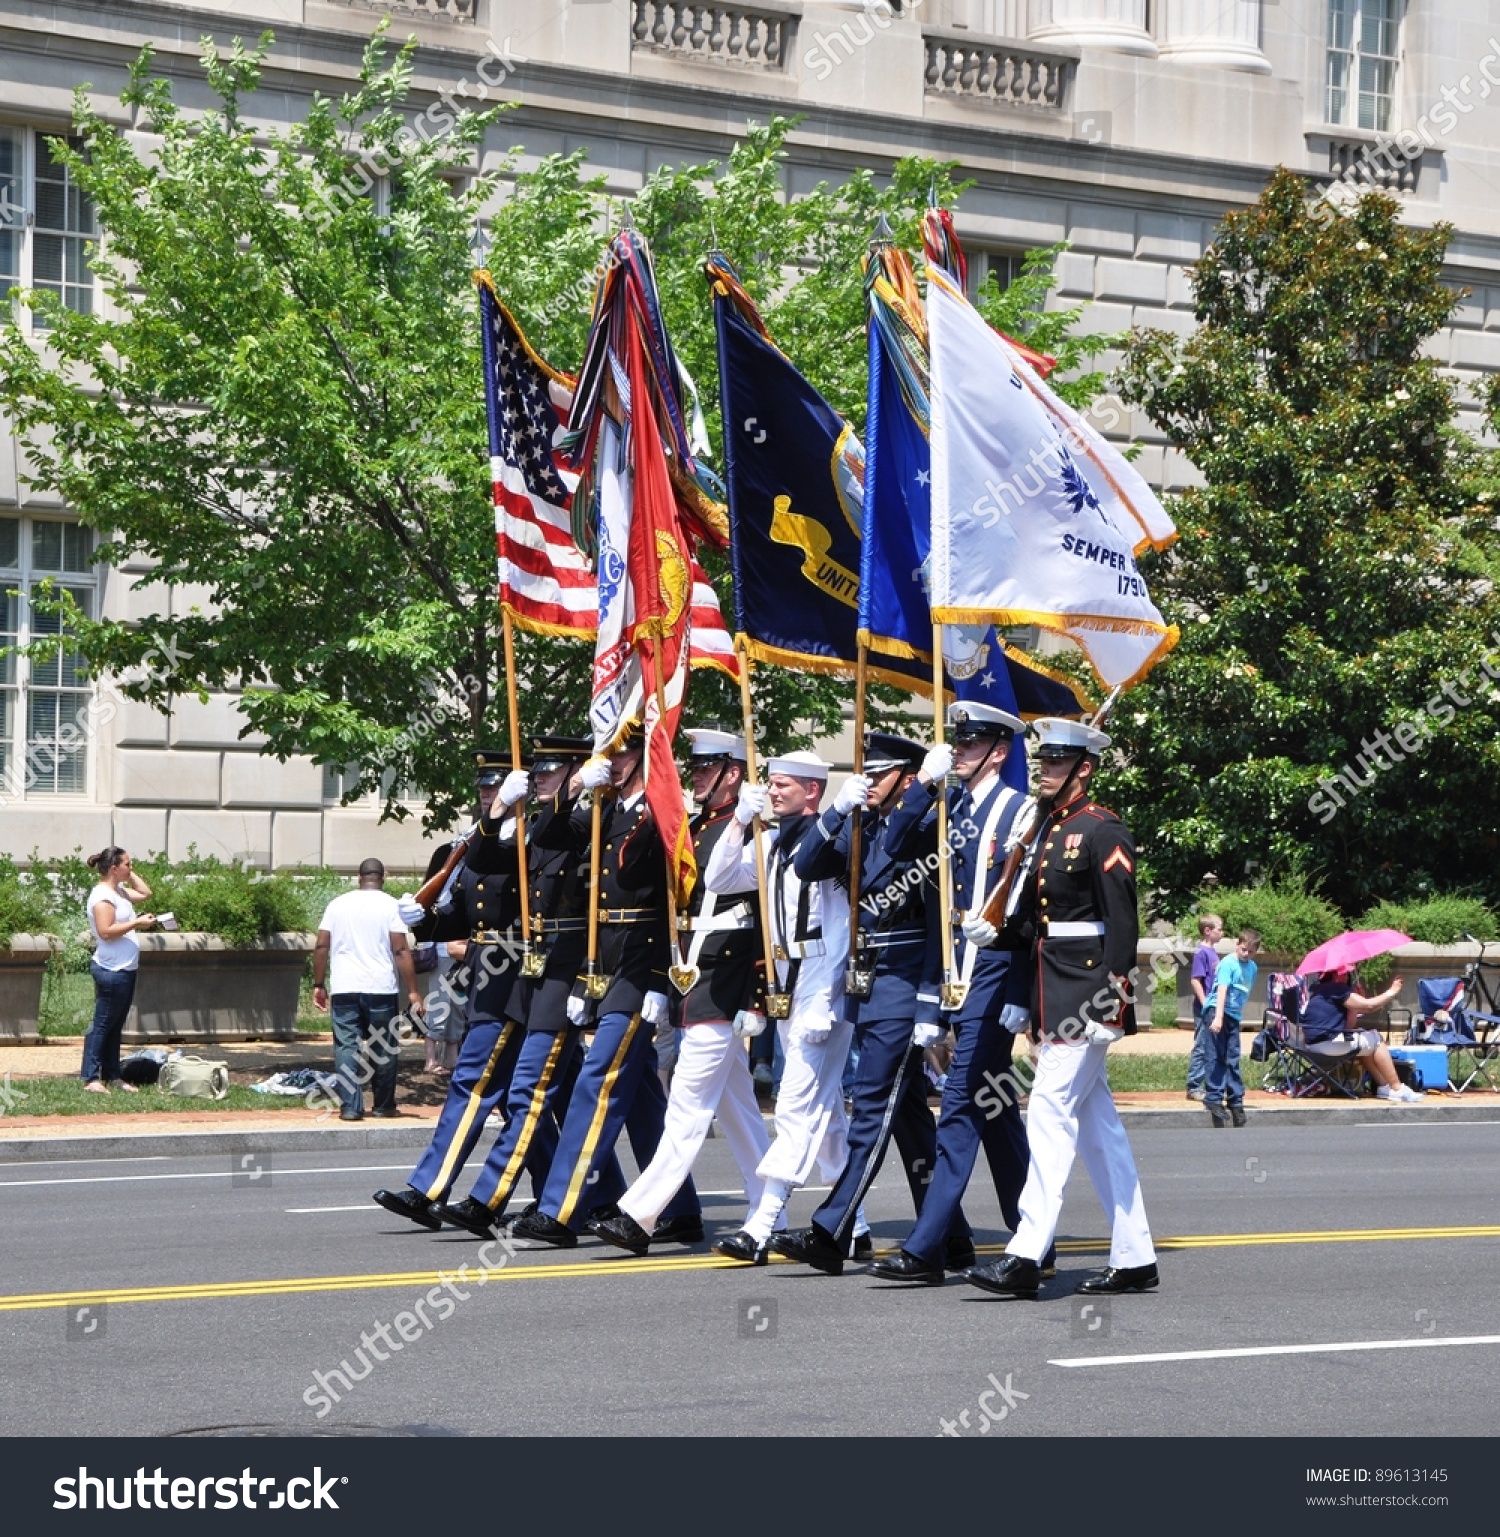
(362, 948)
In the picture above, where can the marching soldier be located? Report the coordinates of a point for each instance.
(892, 982)
(479, 899)
(810, 929)
(722, 967)
(1080, 900)
(618, 1087)
(989, 1001)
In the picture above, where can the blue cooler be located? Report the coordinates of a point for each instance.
(1430, 1062)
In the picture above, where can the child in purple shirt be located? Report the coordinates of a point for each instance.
(1205, 964)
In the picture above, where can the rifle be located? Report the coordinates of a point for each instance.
(999, 898)
(431, 889)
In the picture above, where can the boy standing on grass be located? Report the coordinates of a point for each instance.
(1205, 964)
(1232, 983)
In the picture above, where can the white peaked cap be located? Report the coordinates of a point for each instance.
(1054, 732)
(969, 712)
(800, 765)
(711, 743)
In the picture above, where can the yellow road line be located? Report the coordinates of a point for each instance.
(666, 1265)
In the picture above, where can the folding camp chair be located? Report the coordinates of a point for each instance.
(1296, 1066)
(1472, 1039)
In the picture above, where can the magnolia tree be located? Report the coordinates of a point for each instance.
(1332, 704)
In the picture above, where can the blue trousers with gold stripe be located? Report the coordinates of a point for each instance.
(890, 1100)
(479, 1083)
(617, 1089)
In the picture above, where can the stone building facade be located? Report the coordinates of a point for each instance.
(1124, 127)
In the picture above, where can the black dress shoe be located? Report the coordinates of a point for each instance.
(544, 1229)
(624, 1232)
(409, 1203)
(743, 1247)
(1237, 1114)
(810, 1246)
(1136, 1278)
(471, 1215)
(907, 1267)
(390, 1113)
(678, 1230)
(863, 1248)
(511, 1218)
(1008, 1276)
(1216, 1115)
(958, 1254)
(602, 1213)
(351, 1115)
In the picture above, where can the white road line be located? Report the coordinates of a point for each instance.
(298, 1211)
(1277, 1350)
(125, 1179)
(1425, 1125)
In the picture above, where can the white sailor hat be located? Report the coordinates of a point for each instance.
(800, 765)
(1057, 738)
(971, 720)
(710, 744)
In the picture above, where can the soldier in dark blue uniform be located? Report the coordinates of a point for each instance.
(892, 984)
(992, 992)
(480, 900)
(618, 1086)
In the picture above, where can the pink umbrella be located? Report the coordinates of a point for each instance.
(1350, 949)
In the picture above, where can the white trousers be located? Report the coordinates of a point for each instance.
(812, 1130)
(712, 1075)
(1072, 1111)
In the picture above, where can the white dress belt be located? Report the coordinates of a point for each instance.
(1073, 930)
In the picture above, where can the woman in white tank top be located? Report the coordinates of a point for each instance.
(117, 953)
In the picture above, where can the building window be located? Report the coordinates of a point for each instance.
(1006, 265)
(1361, 63)
(45, 716)
(46, 222)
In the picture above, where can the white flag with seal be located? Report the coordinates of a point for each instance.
(1036, 519)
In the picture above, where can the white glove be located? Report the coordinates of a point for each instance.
(1014, 1018)
(814, 1035)
(938, 763)
(1101, 1035)
(748, 1023)
(853, 793)
(924, 1036)
(751, 804)
(978, 930)
(409, 910)
(595, 774)
(577, 1008)
(654, 1008)
(515, 787)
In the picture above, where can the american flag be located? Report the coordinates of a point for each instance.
(545, 582)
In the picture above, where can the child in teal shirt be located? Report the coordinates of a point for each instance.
(1231, 991)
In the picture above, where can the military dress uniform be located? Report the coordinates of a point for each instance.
(481, 902)
(618, 1087)
(974, 1112)
(810, 930)
(1080, 900)
(901, 954)
(720, 939)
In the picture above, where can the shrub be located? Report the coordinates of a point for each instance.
(25, 906)
(1435, 921)
(1290, 917)
(240, 906)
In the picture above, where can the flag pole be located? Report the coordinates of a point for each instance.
(676, 972)
(858, 981)
(778, 1005)
(950, 992)
(513, 710)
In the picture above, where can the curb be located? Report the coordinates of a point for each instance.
(191, 1144)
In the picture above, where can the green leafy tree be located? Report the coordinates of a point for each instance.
(280, 400)
(1334, 578)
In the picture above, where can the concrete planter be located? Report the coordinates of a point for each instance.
(194, 987)
(22, 969)
(1413, 962)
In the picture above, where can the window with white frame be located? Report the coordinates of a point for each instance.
(1361, 79)
(46, 222)
(44, 700)
(1006, 265)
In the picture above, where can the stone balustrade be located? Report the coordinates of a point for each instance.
(740, 36)
(1001, 70)
(445, 10)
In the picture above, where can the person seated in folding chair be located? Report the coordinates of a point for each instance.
(1330, 1015)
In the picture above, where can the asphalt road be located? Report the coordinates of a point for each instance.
(1293, 1244)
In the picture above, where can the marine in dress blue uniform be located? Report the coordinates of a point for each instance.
(994, 1003)
(618, 1087)
(893, 982)
(480, 901)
